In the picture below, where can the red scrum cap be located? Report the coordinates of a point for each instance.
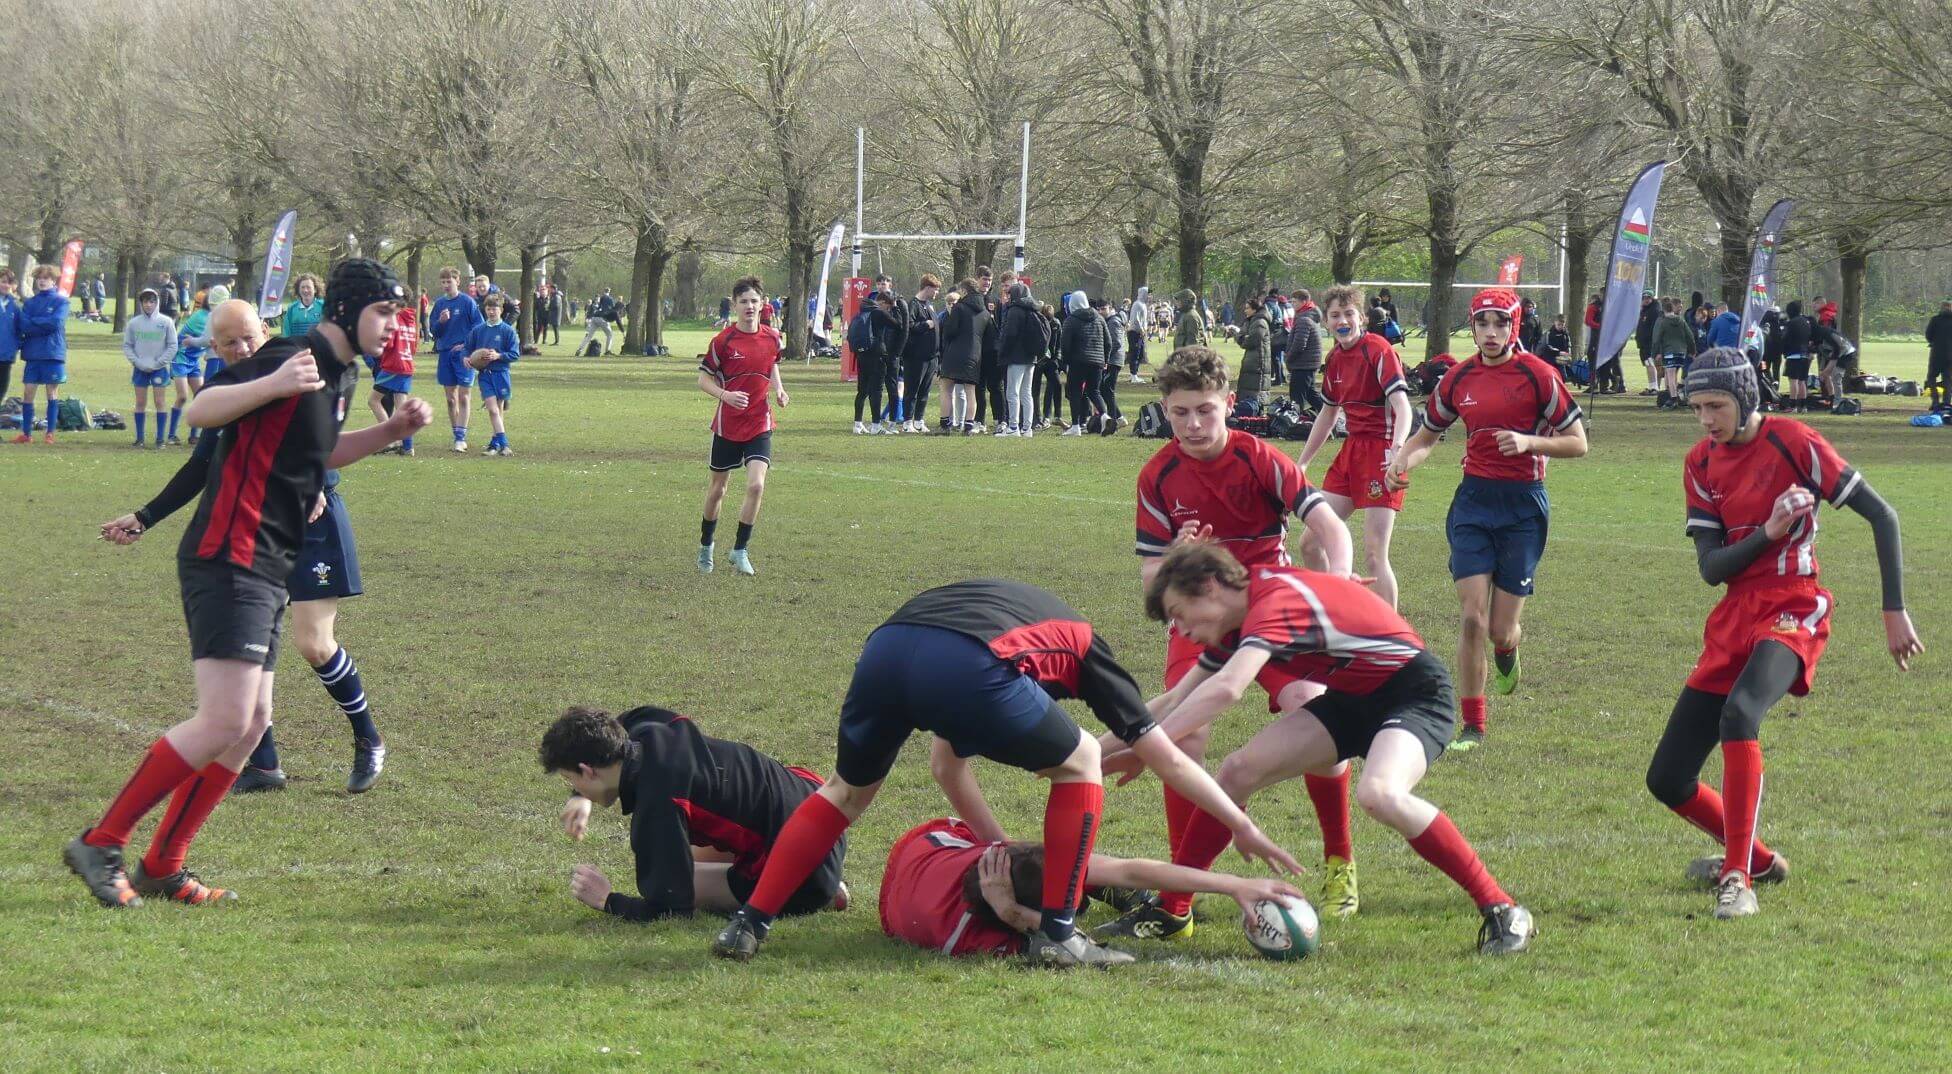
(1498, 299)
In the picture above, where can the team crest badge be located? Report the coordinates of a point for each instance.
(1375, 489)
(1785, 623)
(323, 572)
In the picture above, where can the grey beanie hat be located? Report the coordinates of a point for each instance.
(1725, 369)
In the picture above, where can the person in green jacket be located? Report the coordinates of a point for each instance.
(304, 313)
(1189, 328)
(1674, 341)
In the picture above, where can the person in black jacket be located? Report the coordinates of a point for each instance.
(892, 419)
(681, 789)
(989, 386)
(886, 328)
(962, 352)
(1799, 332)
(1020, 344)
(1108, 383)
(1530, 329)
(1047, 385)
(1643, 341)
(919, 350)
(1085, 355)
(1938, 360)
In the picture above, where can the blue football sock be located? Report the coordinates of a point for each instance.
(266, 755)
(407, 444)
(159, 428)
(142, 422)
(27, 419)
(175, 415)
(340, 677)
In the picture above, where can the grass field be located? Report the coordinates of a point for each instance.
(428, 924)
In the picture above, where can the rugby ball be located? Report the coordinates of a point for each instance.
(1284, 929)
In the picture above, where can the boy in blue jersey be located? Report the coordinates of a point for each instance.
(491, 347)
(453, 317)
(149, 344)
(44, 344)
(9, 329)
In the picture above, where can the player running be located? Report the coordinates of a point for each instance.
(327, 570)
(1387, 701)
(278, 415)
(1752, 487)
(1362, 379)
(740, 368)
(948, 889)
(979, 663)
(1211, 483)
(1517, 414)
(682, 789)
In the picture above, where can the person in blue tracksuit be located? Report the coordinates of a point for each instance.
(452, 318)
(491, 347)
(9, 329)
(44, 346)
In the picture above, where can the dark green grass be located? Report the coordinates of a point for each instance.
(428, 924)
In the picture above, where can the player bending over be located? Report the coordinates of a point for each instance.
(1388, 701)
(278, 416)
(1752, 487)
(682, 789)
(1518, 414)
(948, 889)
(979, 664)
(1211, 483)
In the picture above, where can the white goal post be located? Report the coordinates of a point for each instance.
(860, 208)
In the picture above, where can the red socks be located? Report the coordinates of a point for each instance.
(1474, 713)
(1331, 797)
(1206, 838)
(1444, 846)
(1179, 814)
(1704, 811)
(162, 770)
(193, 804)
(1070, 829)
(1742, 794)
(804, 843)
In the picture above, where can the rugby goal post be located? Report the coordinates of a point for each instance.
(1558, 289)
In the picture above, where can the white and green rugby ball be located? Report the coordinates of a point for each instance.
(1284, 929)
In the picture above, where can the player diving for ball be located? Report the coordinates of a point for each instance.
(1388, 701)
(1752, 486)
(980, 663)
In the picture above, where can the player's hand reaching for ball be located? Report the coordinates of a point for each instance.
(123, 531)
(736, 400)
(1254, 845)
(412, 415)
(299, 374)
(576, 817)
(1793, 504)
(590, 886)
(1901, 638)
(1250, 890)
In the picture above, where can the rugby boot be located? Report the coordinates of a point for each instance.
(1507, 930)
(1734, 898)
(1504, 672)
(1707, 872)
(259, 779)
(1074, 950)
(101, 869)
(180, 886)
(368, 758)
(1340, 896)
(742, 562)
(1147, 922)
(739, 940)
(1467, 739)
(705, 558)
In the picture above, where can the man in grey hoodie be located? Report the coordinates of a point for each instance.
(149, 343)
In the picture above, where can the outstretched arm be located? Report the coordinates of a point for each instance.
(958, 782)
(1900, 637)
(1148, 875)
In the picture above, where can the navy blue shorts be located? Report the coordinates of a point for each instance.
(328, 563)
(1498, 528)
(921, 678)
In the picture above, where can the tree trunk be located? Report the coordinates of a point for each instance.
(1443, 271)
(1735, 263)
(1138, 259)
(1853, 263)
(244, 251)
(1342, 259)
(1096, 277)
(799, 265)
(121, 291)
(691, 266)
(414, 255)
(640, 268)
(525, 324)
(480, 252)
(1579, 248)
(959, 263)
(51, 226)
(651, 321)
(1192, 246)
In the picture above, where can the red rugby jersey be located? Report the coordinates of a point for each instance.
(921, 893)
(1360, 380)
(743, 362)
(1523, 395)
(1732, 488)
(1321, 628)
(1246, 494)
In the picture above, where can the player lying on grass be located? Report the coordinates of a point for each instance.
(682, 789)
(950, 890)
(1752, 486)
(326, 571)
(1388, 701)
(979, 664)
(279, 415)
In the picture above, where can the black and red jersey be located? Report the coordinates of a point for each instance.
(1322, 628)
(1246, 494)
(1044, 638)
(1732, 489)
(1523, 394)
(683, 788)
(270, 465)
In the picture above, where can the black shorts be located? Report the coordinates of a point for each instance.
(1418, 699)
(328, 563)
(1796, 366)
(811, 897)
(922, 678)
(232, 613)
(732, 454)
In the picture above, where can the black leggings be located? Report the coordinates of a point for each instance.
(1082, 387)
(1701, 720)
(868, 378)
(6, 379)
(1108, 386)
